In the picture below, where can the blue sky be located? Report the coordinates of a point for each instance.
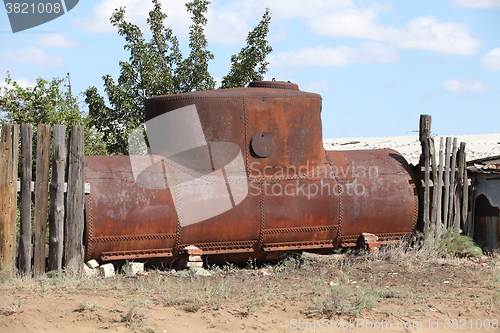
(377, 64)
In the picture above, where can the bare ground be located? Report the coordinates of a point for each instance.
(390, 292)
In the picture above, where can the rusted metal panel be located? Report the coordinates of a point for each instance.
(120, 214)
(377, 191)
(299, 196)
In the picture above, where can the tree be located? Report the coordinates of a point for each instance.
(47, 103)
(44, 103)
(251, 62)
(157, 67)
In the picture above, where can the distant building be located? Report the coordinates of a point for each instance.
(485, 206)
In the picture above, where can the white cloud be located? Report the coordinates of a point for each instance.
(228, 22)
(491, 60)
(424, 33)
(323, 56)
(136, 11)
(317, 86)
(354, 22)
(282, 10)
(458, 86)
(58, 40)
(478, 3)
(22, 82)
(36, 56)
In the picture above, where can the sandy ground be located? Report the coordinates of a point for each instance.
(413, 295)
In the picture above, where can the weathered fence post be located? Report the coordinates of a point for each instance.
(453, 185)
(440, 221)
(461, 182)
(73, 241)
(41, 197)
(465, 194)
(425, 127)
(446, 182)
(25, 246)
(8, 198)
(56, 209)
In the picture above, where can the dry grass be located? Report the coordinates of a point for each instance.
(348, 284)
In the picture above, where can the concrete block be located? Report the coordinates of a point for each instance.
(132, 268)
(107, 270)
(194, 258)
(89, 271)
(194, 264)
(92, 263)
(193, 250)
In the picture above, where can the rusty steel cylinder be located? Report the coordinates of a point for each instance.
(276, 189)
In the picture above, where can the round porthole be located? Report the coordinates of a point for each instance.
(262, 144)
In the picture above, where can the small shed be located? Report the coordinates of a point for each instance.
(485, 205)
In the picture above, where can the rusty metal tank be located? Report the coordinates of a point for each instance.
(300, 197)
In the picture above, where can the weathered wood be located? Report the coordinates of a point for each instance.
(425, 123)
(461, 182)
(25, 246)
(472, 214)
(435, 190)
(465, 193)
(73, 241)
(13, 187)
(425, 126)
(446, 182)
(8, 202)
(41, 198)
(453, 185)
(439, 188)
(56, 207)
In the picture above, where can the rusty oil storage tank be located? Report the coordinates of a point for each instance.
(300, 197)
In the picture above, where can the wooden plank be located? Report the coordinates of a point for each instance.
(25, 246)
(56, 207)
(472, 213)
(425, 123)
(446, 182)
(41, 198)
(435, 190)
(461, 182)
(73, 242)
(439, 189)
(465, 193)
(13, 188)
(7, 199)
(453, 185)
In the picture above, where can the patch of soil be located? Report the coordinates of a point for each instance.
(321, 293)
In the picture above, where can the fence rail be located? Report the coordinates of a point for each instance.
(444, 190)
(58, 170)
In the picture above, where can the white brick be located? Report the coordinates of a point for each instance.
(133, 268)
(92, 263)
(107, 270)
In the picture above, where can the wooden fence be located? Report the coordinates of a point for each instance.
(60, 172)
(444, 193)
